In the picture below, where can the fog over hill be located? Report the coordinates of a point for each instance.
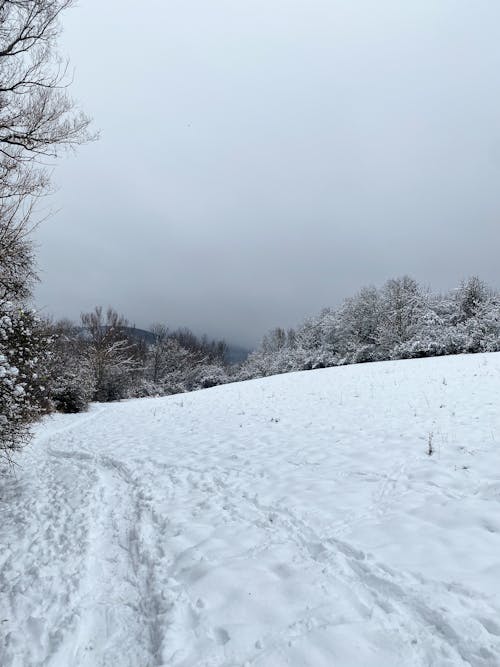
(285, 154)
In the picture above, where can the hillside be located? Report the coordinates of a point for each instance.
(295, 520)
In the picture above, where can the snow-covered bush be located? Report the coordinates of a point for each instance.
(73, 388)
(207, 375)
(23, 361)
(71, 381)
(70, 398)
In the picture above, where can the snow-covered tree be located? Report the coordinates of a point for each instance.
(158, 353)
(472, 297)
(109, 352)
(401, 305)
(274, 341)
(71, 383)
(359, 326)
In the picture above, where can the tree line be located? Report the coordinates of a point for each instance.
(104, 359)
(400, 320)
(65, 365)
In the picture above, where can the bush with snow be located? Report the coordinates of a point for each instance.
(23, 362)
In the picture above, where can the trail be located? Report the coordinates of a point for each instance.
(267, 523)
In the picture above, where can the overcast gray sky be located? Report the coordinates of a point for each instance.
(262, 159)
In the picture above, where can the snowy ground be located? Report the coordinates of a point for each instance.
(296, 520)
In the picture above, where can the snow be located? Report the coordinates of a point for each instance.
(294, 520)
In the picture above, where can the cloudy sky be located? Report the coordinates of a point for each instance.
(261, 159)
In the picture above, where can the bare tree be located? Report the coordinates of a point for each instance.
(158, 356)
(110, 353)
(37, 120)
(37, 117)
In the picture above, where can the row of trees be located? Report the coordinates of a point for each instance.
(104, 359)
(401, 320)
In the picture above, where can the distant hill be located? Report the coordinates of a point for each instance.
(140, 334)
(236, 354)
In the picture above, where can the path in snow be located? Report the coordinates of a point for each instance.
(295, 520)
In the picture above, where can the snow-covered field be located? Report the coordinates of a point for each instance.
(296, 520)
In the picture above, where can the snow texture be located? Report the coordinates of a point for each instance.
(294, 520)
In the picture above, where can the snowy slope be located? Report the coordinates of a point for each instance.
(295, 520)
